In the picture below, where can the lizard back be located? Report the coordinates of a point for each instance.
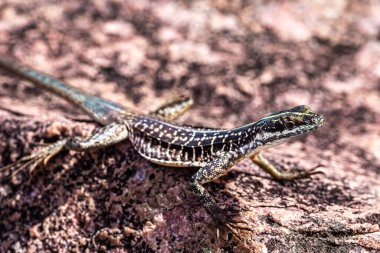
(167, 144)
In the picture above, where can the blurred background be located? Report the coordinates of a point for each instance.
(239, 60)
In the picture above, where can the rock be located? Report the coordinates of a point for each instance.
(114, 200)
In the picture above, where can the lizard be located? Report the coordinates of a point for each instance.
(157, 139)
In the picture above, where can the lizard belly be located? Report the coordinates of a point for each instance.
(163, 153)
(173, 163)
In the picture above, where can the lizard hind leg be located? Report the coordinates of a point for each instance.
(106, 136)
(30, 162)
(174, 108)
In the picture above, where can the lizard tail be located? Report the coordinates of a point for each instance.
(101, 110)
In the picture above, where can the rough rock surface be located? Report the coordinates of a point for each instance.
(240, 60)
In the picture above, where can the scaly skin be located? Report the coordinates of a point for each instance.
(213, 151)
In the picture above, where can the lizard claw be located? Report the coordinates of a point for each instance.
(233, 225)
(30, 162)
(288, 176)
(309, 173)
(234, 209)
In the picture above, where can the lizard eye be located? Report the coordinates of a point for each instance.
(290, 124)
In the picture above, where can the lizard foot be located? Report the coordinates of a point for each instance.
(309, 173)
(30, 162)
(234, 209)
(289, 176)
(234, 225)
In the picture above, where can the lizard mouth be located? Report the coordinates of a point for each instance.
(320, 121)
(317, 122)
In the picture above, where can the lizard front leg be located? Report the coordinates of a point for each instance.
(105, 136)
(211, 171)
(268, 167)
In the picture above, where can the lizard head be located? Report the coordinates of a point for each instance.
(278, 127)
